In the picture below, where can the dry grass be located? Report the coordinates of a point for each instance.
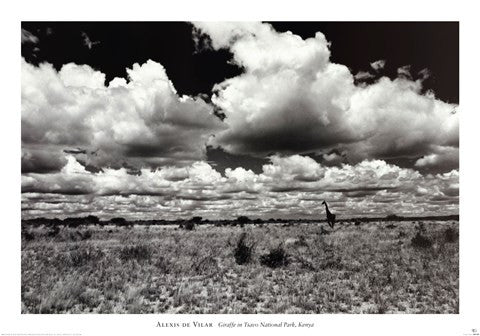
(354, 269)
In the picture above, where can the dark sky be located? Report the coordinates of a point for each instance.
(432, 45)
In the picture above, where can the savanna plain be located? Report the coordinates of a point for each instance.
(372, 267)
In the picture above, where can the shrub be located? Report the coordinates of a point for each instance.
(330, 258)
(138, 252)
(73, 235)
(276, 258)
(205, 265)
(302, 241)
(323, 231)
(83, 256)
(243, 251)
(92, 219)
(84, 235)
(189, 226)
(357, 223)
(27, 235)
(421, 227)
(119, 221)
(53, 231)
(243, 219)
(65, 294)
(421, 241)
(196, 219)
(163, 265)
(451, 235)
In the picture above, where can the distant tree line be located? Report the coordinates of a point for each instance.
(197, 220)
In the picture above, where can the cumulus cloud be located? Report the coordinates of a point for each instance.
(291, 99)
(443, 158)
(42, 160)
(140, 121)
(287, 186)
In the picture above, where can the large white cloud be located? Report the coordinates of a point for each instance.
(292, 99)
(141, 121)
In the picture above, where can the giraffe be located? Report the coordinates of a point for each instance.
(330, 216)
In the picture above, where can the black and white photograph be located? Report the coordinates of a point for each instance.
(186, 168)
(239, 167)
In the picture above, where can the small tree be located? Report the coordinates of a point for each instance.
(243, 251)
(196, 220)
(242, 220)
(119, 221)
(92, 219)
(189, 226)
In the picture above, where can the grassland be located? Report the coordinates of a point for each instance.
(376, 267)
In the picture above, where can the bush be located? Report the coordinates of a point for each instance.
(276, 258)
(119, 221)
(53, 231)
(330, 258)
(323, 231)
(92, 219)
(242, 220)
(420, 227)
(83, 256)
(138, 252)
(206, 265)
(189, 226)
(163, 265)
(451, 235)
(86, 235)
(27, 235)
(243, 251)
(196, 219)
(421, 241)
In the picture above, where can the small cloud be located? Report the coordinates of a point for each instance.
(88, 42)
(201, 40)
(28, 37)
(424, 73)
(363, 75)
(75, 151)
(378, 65)
(49, 31)
(442, 159)
(404, 71)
